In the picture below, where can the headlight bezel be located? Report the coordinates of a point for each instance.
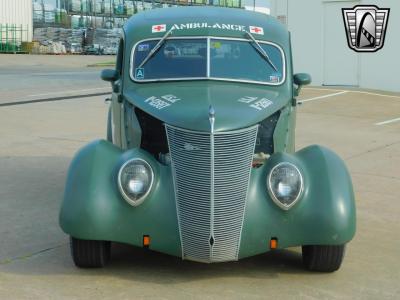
(271, 192)
(128, 199)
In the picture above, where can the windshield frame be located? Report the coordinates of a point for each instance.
(208, 77)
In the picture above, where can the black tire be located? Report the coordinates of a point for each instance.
(90, 254)
(109, 127)
(323, 258)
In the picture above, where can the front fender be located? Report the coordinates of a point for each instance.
(325, 214)
(93, 208)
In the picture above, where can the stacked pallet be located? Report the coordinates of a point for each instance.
(37, 12)
(130, 8)
(75, 5)
(49, 14)
(98, 7)
(50, 48)
(57, 40)
(107, 39)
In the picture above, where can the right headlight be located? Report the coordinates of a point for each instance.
(135, 179)
(285, 184)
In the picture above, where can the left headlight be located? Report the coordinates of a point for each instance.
(135, 179)
(285, 184)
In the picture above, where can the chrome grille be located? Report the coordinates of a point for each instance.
(211, 176)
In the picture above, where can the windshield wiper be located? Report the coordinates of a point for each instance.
(260, 50)
(156, 48)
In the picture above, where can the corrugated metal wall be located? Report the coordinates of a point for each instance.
(18, 12)
(307, 22)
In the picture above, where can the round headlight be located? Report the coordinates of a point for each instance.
(285, 184)
(135, 179)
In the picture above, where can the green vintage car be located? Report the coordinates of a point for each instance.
(199, 160)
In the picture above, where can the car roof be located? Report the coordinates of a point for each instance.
(204, 21)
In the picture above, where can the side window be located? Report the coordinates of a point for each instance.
(120, 56)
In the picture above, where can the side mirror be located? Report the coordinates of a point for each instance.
(301, 79)
(109, 75)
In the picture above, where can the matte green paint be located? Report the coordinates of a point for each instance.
(301, 79)
(93, 207)
(191, 112)
(324, 215)
(284, 130)
(139, 27)
(109, 75)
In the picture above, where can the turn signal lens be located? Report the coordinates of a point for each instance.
(146, 241)
(273, 243)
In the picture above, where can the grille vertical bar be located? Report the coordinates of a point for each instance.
(211, 209)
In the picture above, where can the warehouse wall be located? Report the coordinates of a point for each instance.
(304, 20)
(17, 12)
(381, 69)
(307, 22)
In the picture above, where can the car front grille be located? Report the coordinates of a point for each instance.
(211, 174)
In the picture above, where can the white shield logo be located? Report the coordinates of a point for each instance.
(365, 27)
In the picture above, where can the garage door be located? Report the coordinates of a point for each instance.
(340, 62)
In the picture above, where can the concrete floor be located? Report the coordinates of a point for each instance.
(39, 140)
(29, 77)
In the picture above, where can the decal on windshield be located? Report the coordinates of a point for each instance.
(139, 73)
(216, 45)
(143, 47)
(159, 28)
(274, 78)
(257, 30)
(162, 102)
(256, 102)
(232, 27)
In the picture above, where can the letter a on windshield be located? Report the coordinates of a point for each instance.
(139, 74)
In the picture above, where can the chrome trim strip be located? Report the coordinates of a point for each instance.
(212, 187)
(211, 116)
(216, 132)
(208, 77)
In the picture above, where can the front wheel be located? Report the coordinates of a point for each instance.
(90, 254)
(323, 258)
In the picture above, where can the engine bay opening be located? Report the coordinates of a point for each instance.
(265, 140)
(154, 138)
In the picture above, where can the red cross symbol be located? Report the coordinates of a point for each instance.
(256, 30)
(159, 28)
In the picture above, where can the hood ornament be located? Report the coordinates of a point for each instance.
(211, 117)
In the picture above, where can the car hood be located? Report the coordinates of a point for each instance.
(187, 104)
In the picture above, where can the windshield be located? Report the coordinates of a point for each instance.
(208, 58)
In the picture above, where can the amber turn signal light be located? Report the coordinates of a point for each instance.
(273, 243)
(146, 241)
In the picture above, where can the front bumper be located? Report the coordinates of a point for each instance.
(94, 209)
